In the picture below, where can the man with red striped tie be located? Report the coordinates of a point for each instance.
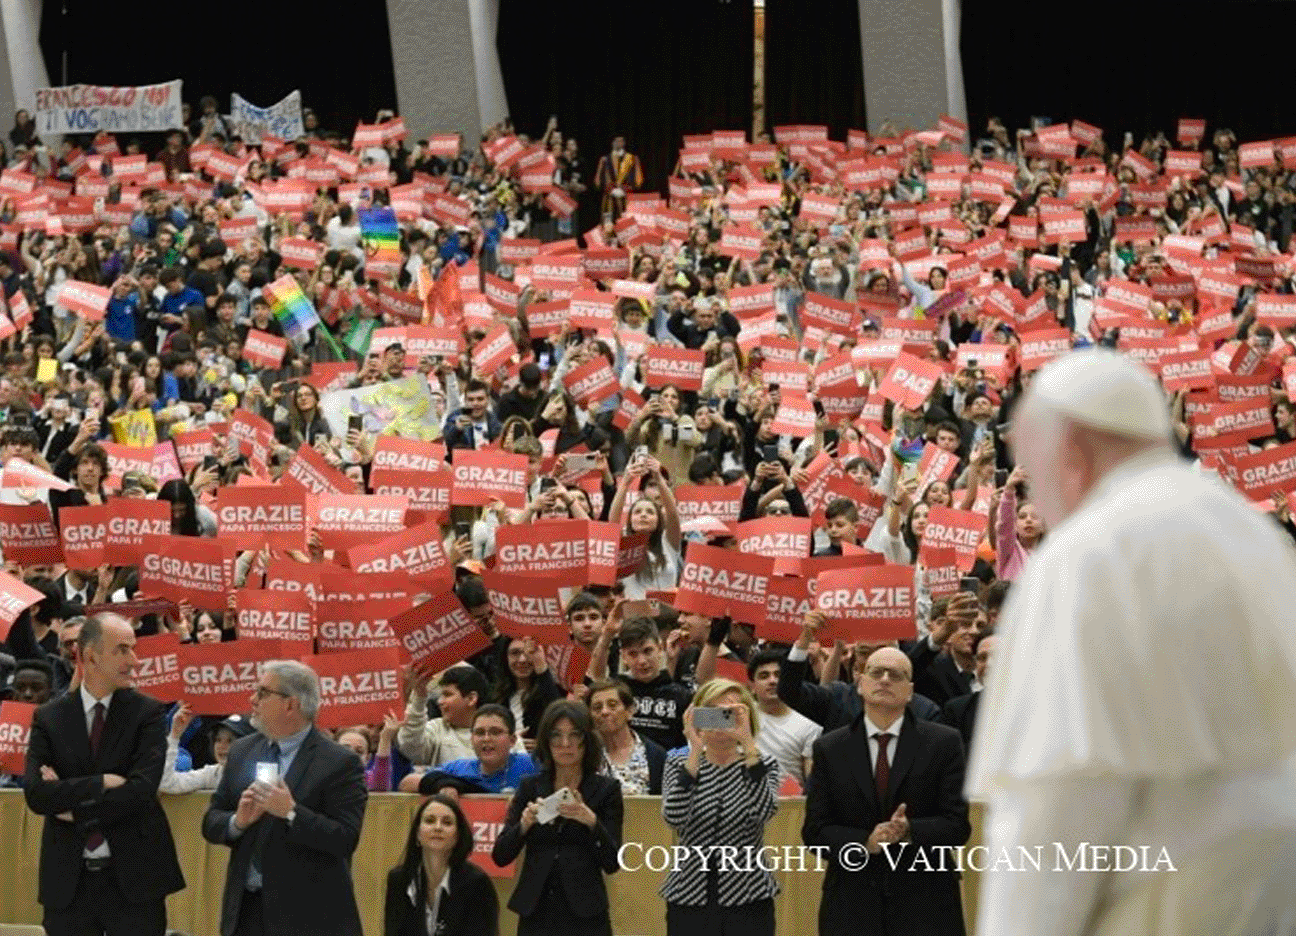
(94, 763)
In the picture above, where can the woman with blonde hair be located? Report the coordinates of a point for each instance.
(722, 793)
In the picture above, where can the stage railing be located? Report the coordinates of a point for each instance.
(637, 910)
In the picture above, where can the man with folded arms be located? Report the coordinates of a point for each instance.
(1144, 684)
(94, 763)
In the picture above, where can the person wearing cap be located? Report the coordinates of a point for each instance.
(1144, 698)
(204, 778)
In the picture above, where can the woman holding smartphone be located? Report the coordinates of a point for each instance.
(722, 793)
(569, 818)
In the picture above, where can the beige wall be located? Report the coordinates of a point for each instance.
(912, 73)
(636, 908)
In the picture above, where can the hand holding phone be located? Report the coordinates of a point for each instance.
(547, 812)
(714, 718)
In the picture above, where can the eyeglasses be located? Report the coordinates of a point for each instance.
(878, 672)
(564, 738)
(489, 732)
(778, 512)
(263, 691)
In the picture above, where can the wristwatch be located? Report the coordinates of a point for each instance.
(292, 814)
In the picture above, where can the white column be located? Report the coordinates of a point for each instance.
(912, 68)
(24, 70)
(492, 104)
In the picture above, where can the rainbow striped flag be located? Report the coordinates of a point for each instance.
(291, 308)
(381, 235)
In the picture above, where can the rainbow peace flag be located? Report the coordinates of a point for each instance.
(381, 235)
(291, 308)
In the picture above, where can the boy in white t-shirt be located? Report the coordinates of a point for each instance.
(785, 734)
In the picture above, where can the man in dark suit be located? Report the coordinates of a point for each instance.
(943, 666)
(291, 838)
(94, 763)
(961, 713)
(885, 810)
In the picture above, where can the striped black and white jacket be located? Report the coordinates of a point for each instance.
(723, 806)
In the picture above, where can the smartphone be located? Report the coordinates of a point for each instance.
(355, 422)
(641, 453)
(970, 583)
(1001, 477)
(548, 484)
(646, 608)
(209, 462)
(462, 529)
(769, 453)
(713, 717)
(267, 772)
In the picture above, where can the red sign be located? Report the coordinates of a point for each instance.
(867, 603)
(263, 349)
(309, 470)
(942, 576)
(484, 476)
(592, 382)
(344, 625)
(358, 687)
(86, 298)
(417, 552)
(776, 537)
(428, 494)
(717, 581)
(910, 381)
(1226, 424)
(579, 551)
(15, 598)
(157, 672)
(438, 633)
(219, 678)
(344, 521)
(1261, 474)
(960, 529)
(678, 367)
(527, 606)
(15, 732)
(251, 517)
(83, 531)
(592, 309)
(1186, 370)
(493, 351)
(129, 520)
(187, 568)
(277, 615)
(795, 416)
(722, 503)
(486, 815)
(193, 447)
(1041, 345)
(28, 535)
(393, 453)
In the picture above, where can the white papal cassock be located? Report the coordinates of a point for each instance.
(1144, 693)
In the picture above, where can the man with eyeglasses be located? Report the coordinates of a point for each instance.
(497, 768)
(885, 797)
(290, 806)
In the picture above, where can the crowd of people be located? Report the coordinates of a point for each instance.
(804, 359)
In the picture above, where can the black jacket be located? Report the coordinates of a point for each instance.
(659, 709)
(130, 817)
(935, 675)
(306, 866)
(580, 856)
(842, 807)
(726, 326)
(837, 703)
(960, 713)
(470, 909)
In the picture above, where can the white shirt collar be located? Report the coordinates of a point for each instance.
(88, 701)
(443, 887)
(892, 729)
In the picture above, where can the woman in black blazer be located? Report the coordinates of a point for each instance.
(435, 891)
(561, 888)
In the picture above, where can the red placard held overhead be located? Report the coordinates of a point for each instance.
(678, 367)
(276, 615)
(438, 633)
(251, 517)
(416, 552)
(483, 476)
(867, 603)
(358, 687)
(718, 581)
(345, 521)
(960, 529)
(219, 678)
(910, 381)
(28, 535)
(527, 606)
(343, 626)
(187, 568)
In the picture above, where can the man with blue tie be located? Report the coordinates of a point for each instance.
(290, 806)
